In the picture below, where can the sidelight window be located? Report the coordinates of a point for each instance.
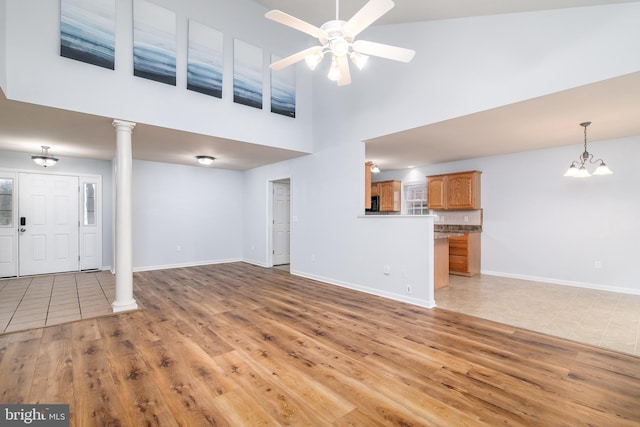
(89, 204)
(6, 201)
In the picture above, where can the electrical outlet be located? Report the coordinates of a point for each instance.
(466, 218)
(598, 264)
(178, 248)
(408, 289)
(386, 270)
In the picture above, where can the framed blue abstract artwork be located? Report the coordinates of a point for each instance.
(283, 90)
(154, 42)
(205, 60)
(87, 31)
(247, 74)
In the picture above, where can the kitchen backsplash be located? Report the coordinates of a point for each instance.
(470, 217)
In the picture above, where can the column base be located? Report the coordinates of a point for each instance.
(126, 306)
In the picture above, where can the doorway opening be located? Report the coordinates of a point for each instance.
(281, 223)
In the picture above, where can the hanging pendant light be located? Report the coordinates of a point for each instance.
(44, 159)
(578, 167)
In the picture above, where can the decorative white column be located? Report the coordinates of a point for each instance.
(124, 219)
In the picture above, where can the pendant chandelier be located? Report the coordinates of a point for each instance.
(578, 168)
(44, 159)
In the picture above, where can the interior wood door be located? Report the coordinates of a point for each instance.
(48, 239)
(281, 223)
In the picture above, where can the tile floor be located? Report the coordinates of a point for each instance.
(37, 301)
(600, 318)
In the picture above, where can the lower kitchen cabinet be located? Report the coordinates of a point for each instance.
(464, 254)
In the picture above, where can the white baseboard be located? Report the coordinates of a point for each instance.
(257, 263)
(367, 290)
(186, 264)
(563, 282)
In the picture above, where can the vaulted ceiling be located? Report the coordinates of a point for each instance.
(24, 127)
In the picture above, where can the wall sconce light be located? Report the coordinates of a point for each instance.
(205, 160)
(44, 159)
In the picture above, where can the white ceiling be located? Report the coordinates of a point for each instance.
(539, 123)
(613, 107)
(317, 12)
(26, 127)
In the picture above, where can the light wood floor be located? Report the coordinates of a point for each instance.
(240, 345)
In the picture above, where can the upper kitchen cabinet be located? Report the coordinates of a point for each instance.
(389, 192)
(454, 191)
(436, 192)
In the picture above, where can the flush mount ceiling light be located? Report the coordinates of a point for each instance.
(205, 160)
(44, 159)
(337, 38)
(578, 168)
(375, 168)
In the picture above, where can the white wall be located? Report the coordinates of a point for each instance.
(329, 241)
(3, 36)
(540, 225)
(185, 215)
(36, 73)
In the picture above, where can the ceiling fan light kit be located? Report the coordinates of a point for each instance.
(337, 37)
(578, 168)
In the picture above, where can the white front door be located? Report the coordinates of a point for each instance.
(281, 223)
(48, 223)
(8, 227)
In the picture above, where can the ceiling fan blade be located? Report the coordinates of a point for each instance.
(384, 50)
(292, 59)
(366, 16)
(345, 74)
(295, 23)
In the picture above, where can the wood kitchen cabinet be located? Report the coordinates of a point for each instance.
(455, 191)
(389, 192)
(436, 192)
(464, 254)
(375, 189)
(367, 185)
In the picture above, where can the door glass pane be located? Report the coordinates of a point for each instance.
(89, 204)
(6, 201)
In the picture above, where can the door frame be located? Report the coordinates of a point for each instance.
(82, 178)
(270, 216)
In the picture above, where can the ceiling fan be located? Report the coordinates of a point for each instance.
(337, 37)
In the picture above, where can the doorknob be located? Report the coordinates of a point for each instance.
(22, 230)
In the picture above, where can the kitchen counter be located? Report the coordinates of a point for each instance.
(457, 228)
